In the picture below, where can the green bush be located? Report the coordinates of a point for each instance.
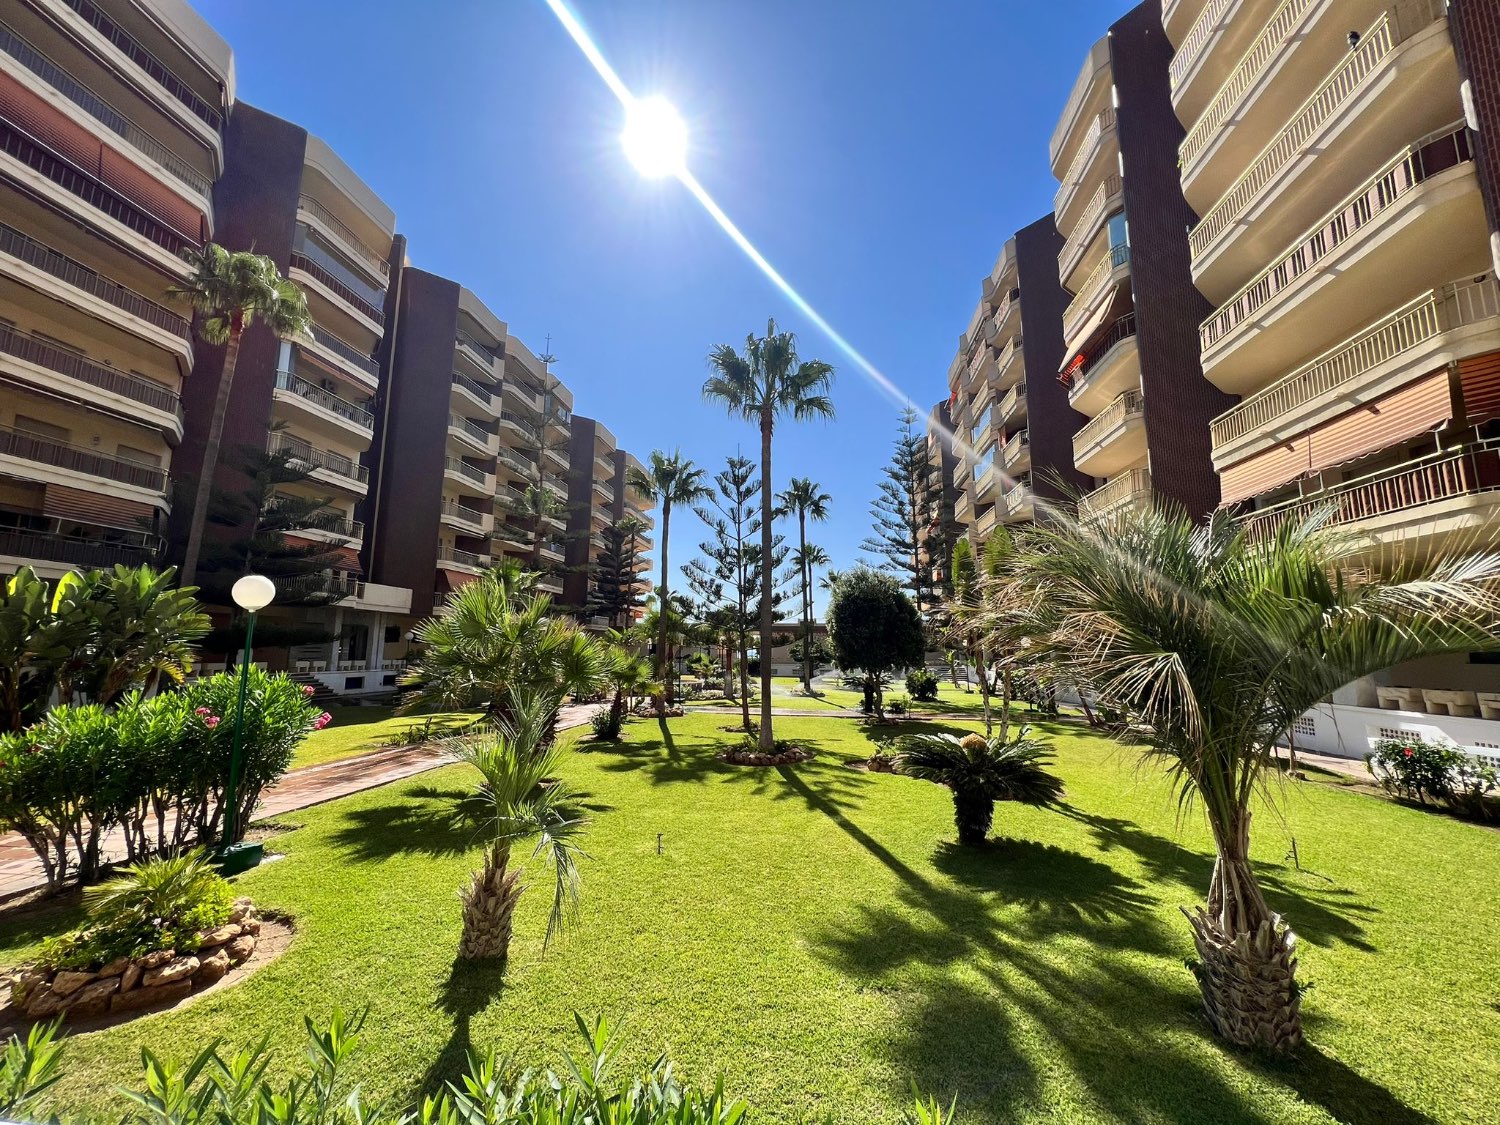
(899, 705)
(922, 685)
(156, 769)
(1432, 771)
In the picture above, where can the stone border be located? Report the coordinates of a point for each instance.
(788, 757)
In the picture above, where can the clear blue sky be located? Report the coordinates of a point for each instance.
(878, 153)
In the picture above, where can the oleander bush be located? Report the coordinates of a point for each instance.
(1432, 772)
(922, 685)
(157, 769)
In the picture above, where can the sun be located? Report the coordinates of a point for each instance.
(655, 137)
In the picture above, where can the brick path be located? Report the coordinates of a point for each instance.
(21, 871)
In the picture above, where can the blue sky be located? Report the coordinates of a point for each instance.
(878, 153)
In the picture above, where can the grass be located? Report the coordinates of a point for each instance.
(359, 730)
(950, 700)
(810, 933)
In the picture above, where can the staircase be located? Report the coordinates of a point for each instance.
(322, 694)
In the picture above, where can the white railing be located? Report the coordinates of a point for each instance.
(467, 471)
(1019, 494)
(475, 431)
(462, 558)
(1072, 177)
(1093, 287)
(1392, 184)
(1088, 224)
(1393, 28)
(1129, 487)
(1430, 315)
(1019, 442)
(1112, 417)
(1012, 299)
(1251, 66)
(463, 512)
(976, 362)
(1193, 43)
(1013, 400)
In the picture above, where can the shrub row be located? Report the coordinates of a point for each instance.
(1430, 771)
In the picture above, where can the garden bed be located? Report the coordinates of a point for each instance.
(743, 756)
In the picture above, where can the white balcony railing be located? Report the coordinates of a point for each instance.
(1071, 179)
(1094, 286)
(1197, 38)
(1013, 402)
(1406, 329)
(1088, 224)
(1111, 418)
(1129, 488)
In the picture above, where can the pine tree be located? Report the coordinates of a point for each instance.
(616, 590)
(524, 515)
(903, 513)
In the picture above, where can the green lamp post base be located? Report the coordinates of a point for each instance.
(234, 858)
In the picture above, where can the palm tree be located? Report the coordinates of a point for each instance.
(808, 559)
(806, 501)
(766, 381)
(981, 770)
(496, 640)
(670, 480)
(1213, 643)
(230, 291)
(513, 804)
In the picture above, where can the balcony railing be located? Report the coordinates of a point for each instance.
(472, 387)
(976, 361)
(72, 550)
(79, 276)
(1132, 487)
(352, 241)
(1469, 471)
(1393, 28)
(346, 527)
(1072, 177)
(1093, 287)
(78, 459)
(132, 49)
(1112, 417)
(1267, 46)
(1014, 399)
(1012, 349)
(315, 458)
(21, 146)
(1011, 301)
(463, 512)
(325, 339)
(462, 557)
(96, 107)
(477, 432)
(486, 353)
(1390, 185)
(467, 471)
(1088, 224)
(74, 366)
(1076, 377)
(1196, 40)
(1019, 442)
(302, 262)
(1429, 316)
(521, 423)
(1018, 495)
(359, 415)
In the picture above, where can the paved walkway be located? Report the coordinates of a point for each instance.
(21, 871)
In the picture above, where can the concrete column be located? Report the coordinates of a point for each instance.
(333, 647)
(376, 657)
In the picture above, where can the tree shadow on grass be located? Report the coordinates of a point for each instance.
(424, 819)
(23, 923)
(471, 986)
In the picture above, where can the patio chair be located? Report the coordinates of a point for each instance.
(1400, 699)
(1459, 704)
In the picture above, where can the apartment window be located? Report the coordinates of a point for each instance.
(37, 428)
(1119, 231)
(25, 521)
(138, 456)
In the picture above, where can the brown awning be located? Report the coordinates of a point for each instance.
(97, 508)
(1479, 376)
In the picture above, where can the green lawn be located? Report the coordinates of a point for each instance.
(809, 933)
(950, 700)
(358, 730)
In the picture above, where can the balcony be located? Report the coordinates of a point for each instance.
(982, 475)
(985, 523)
(529, 397)
(1008, 365)
(1338, 125)
(465, 388)
(521, 427)
(1221, 33)
(1111, 366)
(342, 355)
(339, 529)
(1128, 491)
(77, 460)
(1108, 198)
(1114, 439)
(349, 242)
(1095, 152)
(1418, 222)
(321, 464)
(963, 507)
(1090, 93)
(1015, 454)
(1454, 491)
(325, 405)
(471, 347)
(1019, 501)
(89, 382)
(470, 521)
(1013, 406)
(1437, 328)
(1006, 319)
(604, 490)
(341, 294)
(59, 79)
(468, 475)
(1097, 288)
(473, 435)
(466, 561)
(977, 363)
(76, 551)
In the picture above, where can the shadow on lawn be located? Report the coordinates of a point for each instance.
(423, 819)
(469, 989)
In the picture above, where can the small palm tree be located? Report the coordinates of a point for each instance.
(231, 290)
(1214, 644)
(761, 384)
(512, 805)
(670, 480)
(628, 674)
(805, 500)
(981, 770)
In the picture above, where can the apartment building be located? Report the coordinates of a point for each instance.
(1342, 158)
(111, 138)
(943, 457)
(599, 496)
(1130, 357)
(1011, 419)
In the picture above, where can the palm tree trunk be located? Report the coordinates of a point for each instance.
(982, 667)
(806, 605)
(1005, 697)
(199, 515)
(745, 680)
(665, 698)
(1247, 965)
(973, 814)
(767, 737)
(489, 902)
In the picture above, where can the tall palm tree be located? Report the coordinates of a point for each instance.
(764, 382)
(230, 291)
(669, 481)
(496, 640)
(981, 770)
(1214, 643)
(808, 559)
(805, 500)
(512, 805)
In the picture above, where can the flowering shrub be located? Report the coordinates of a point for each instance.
(155, 768)
(1430, 771)
(922, 685)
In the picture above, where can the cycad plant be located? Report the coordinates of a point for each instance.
(1214, 643)
(519, 800)
(981, 770)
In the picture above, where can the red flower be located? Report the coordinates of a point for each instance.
(322, 721)
(1408, 751)
(211, 721)
(308, 690)
(202, 711)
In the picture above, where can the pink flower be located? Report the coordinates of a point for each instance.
(202, 711)
(1408, 752)
(211, 721)
(308, 690)
(322, 721)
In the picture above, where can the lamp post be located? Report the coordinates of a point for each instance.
(251, 593)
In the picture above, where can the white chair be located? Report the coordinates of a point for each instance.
(1459, 704)
(304, 666)
(1400, 699)
(320, 665)
(1489, 704)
